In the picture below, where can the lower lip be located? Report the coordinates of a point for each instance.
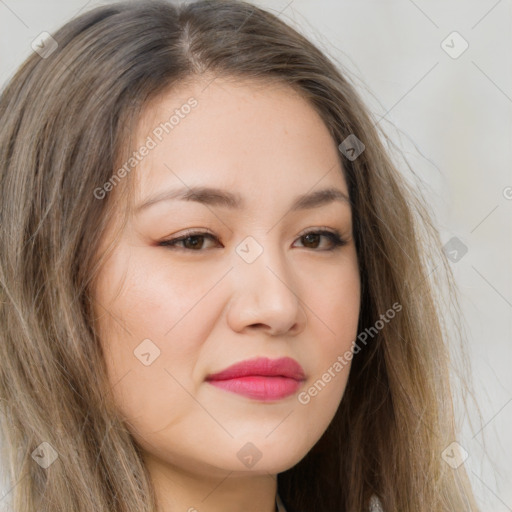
(260, 388)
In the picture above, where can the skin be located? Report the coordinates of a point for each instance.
(207, 308)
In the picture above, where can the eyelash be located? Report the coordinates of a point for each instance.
(334, 236)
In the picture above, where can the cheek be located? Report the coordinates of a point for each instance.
(333, 300)
(151, 335)
(147, 298)
(334, 306)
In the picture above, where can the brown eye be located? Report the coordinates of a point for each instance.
(312, 240)
(191, 242)
(194, 241)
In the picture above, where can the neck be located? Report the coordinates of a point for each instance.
(210, 489)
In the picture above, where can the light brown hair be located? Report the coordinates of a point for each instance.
(65, 125)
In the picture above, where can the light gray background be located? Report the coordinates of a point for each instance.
(453, 119)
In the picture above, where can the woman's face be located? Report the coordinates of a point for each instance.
(256, 285)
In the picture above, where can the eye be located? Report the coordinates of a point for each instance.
(194, 240)
(313, 238)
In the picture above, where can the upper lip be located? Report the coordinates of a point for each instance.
(262, 366)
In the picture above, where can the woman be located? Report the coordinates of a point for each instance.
(215, 289)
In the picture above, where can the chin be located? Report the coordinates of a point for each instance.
(273, 454)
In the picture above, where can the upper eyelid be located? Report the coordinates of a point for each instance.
(205, 231)
(206, 234)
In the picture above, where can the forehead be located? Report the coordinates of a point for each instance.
(252, 136)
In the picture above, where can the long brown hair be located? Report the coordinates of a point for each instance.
(65, 124)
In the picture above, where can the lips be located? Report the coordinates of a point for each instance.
(261, 378)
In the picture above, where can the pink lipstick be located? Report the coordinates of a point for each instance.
(261, 378)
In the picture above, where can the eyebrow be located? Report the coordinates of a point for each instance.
(223, 198)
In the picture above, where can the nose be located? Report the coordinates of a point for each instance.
(264, 296)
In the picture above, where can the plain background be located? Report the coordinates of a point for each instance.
(452, 116)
